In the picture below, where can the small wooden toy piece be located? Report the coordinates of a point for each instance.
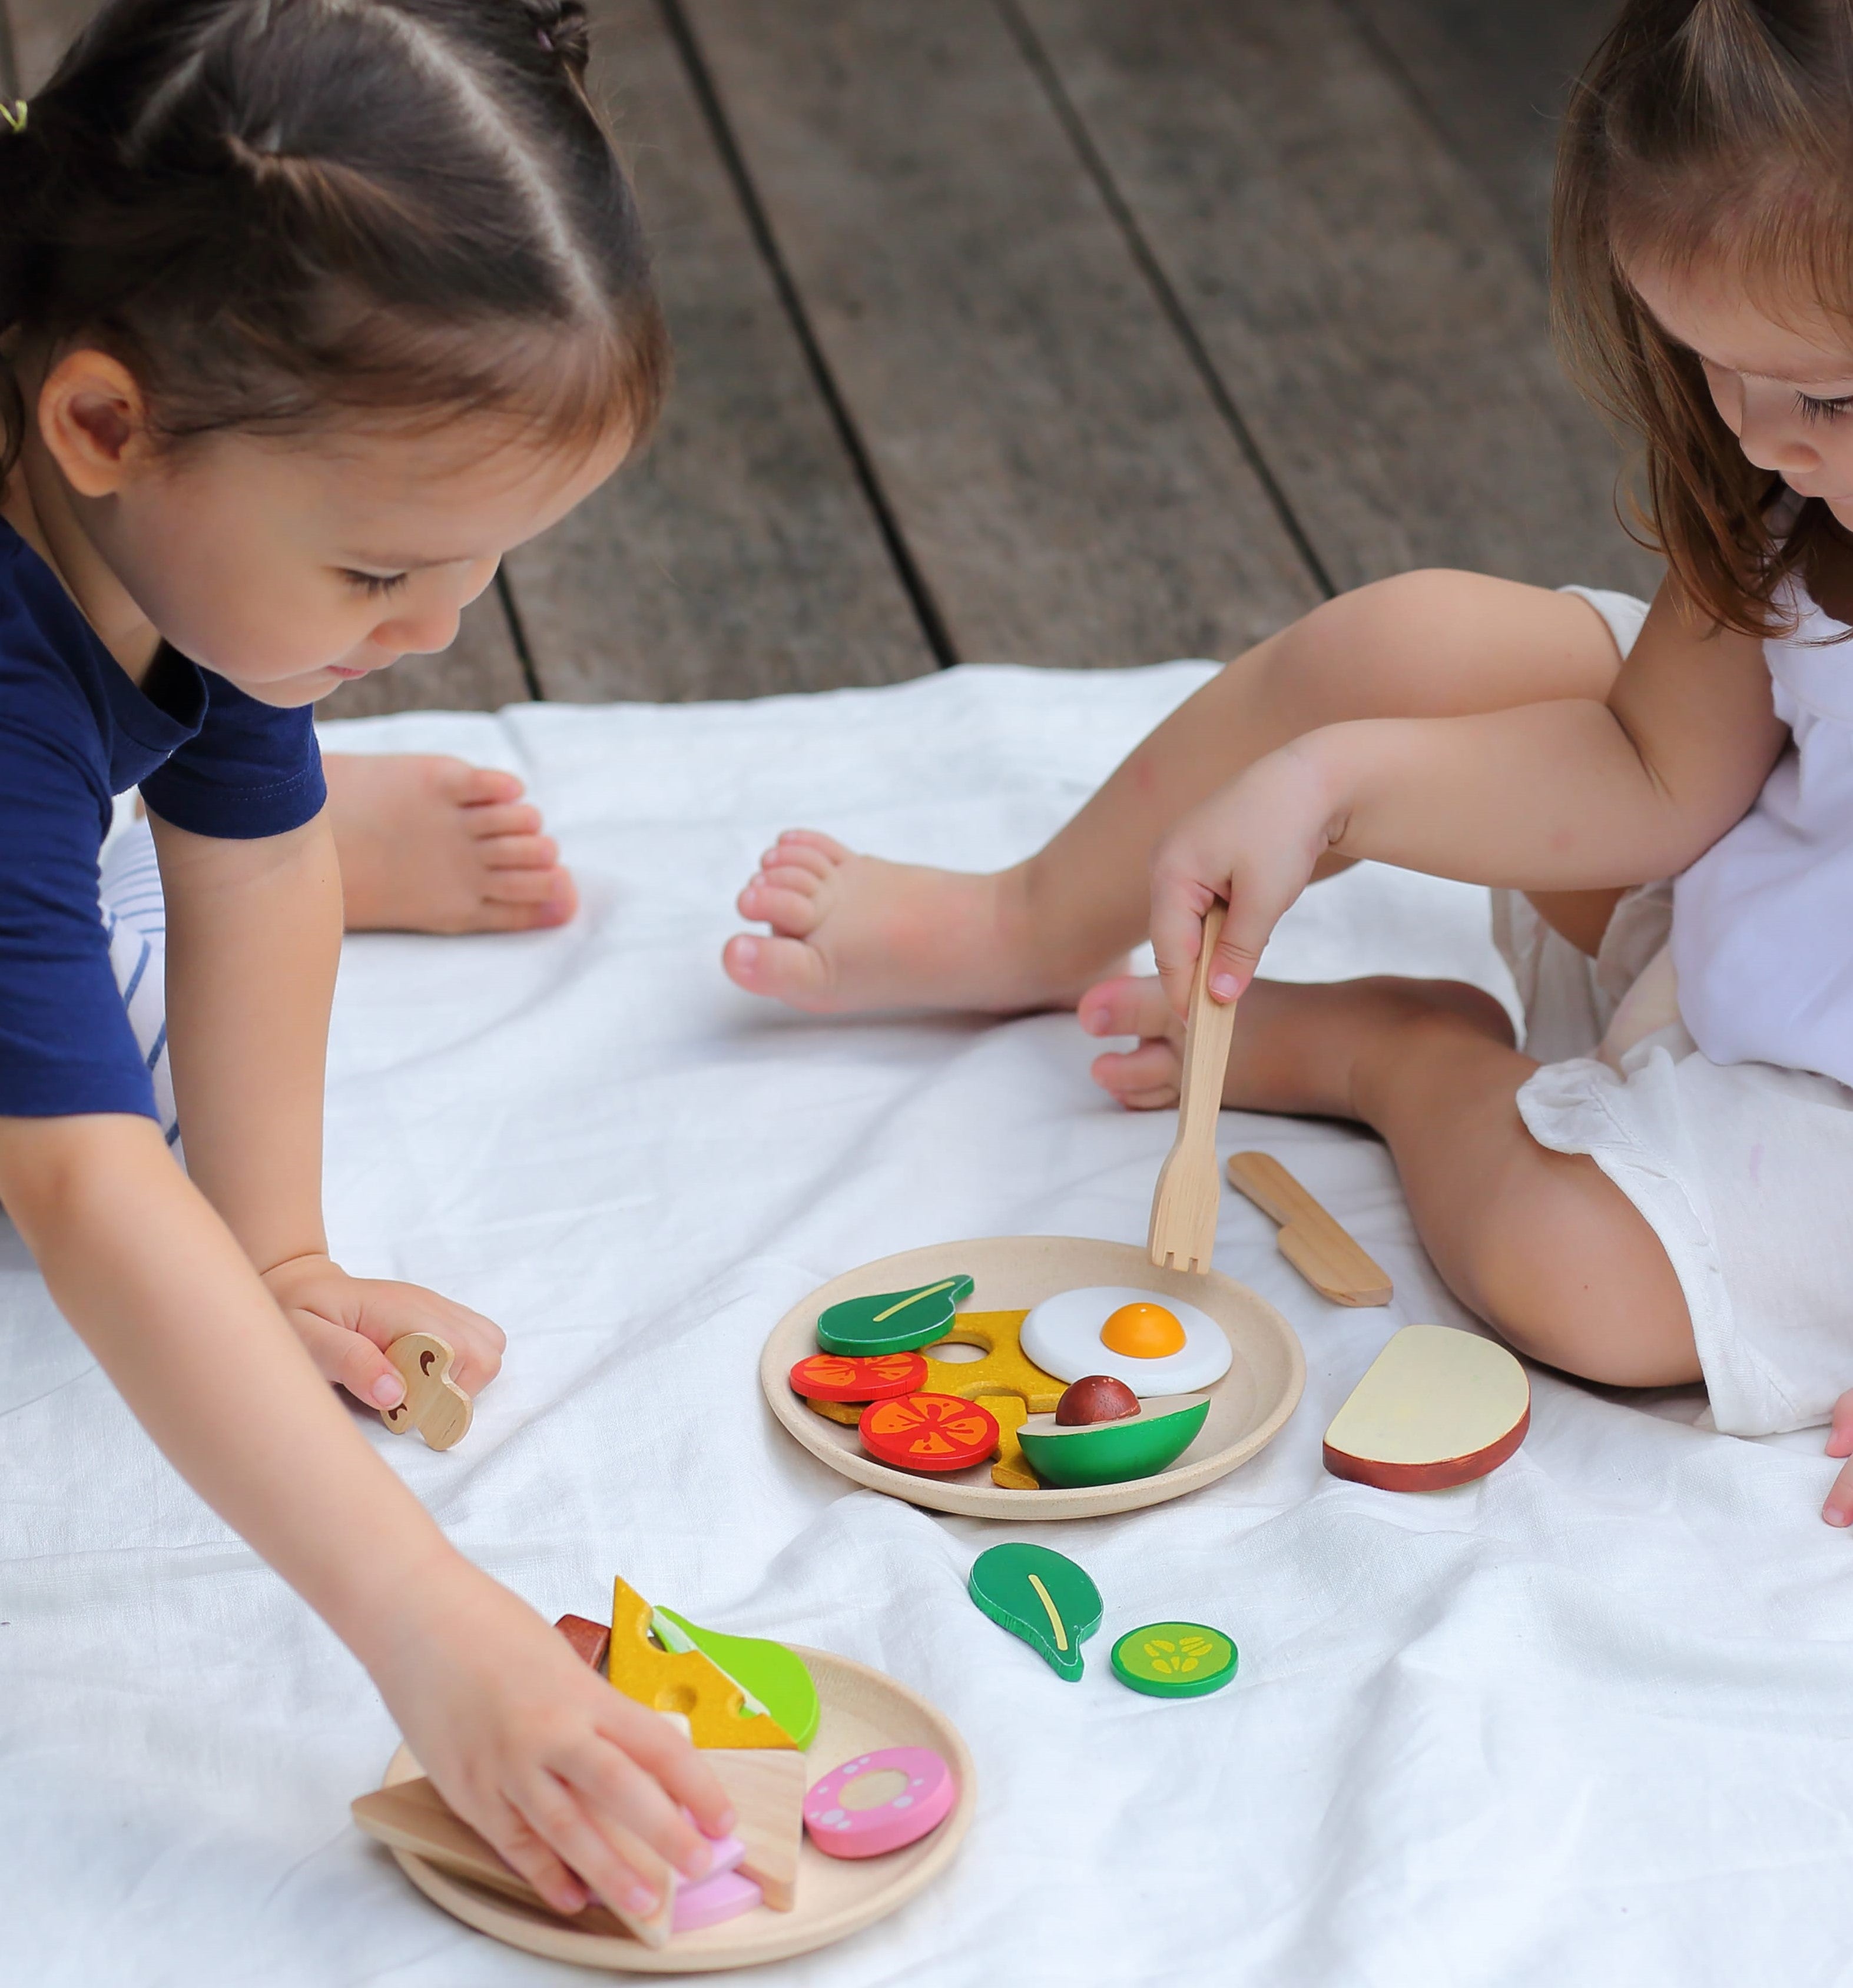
(893, 1321)
(933, 1433)
(774, 1679)
(1095, 1397)
(1003, 1367)
(841, 1377)
(1068, 1456)
(1184, 1205)
(1436, 1407)
(880, 1801)
(724, 1894)
(1175, 1659)
(434, 1405)
(682, 1680)
(767, 1788)
(1042, 1596)
(714, 1901)
(1326, 1256)
(413, 1816)
(1011, 1471)
(590, 1641)
(1167, 1347)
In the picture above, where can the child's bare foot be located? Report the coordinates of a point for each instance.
(430, 844)
(852, 933)
(1295, 1048)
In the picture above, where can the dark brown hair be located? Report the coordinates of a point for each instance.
(271, 211)
(1715, 132)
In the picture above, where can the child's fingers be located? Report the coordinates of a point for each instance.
(389, 1311)
(624, 1871)
(1838, 1510)
(661, 1752)
(1179, 903)
(351, 1361)
(620, 1793)
(1237, 953)
(517, 1844)
(1840, 1437)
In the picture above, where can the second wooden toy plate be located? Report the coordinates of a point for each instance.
(862, 1710)
(1247, 1406)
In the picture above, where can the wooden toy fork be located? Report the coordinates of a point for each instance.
(1184, 1205)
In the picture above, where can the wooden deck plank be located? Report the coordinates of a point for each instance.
(1382, 334)
(740, 556)
(1061, 475)
(1494, 80)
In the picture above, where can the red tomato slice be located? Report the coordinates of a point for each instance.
(869, 1377)
(930, 1432)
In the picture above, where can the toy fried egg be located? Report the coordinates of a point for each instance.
(1156, 1346)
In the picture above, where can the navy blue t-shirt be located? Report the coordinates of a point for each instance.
(75, 731)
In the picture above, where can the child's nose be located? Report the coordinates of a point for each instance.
(1770, 433)
(418, 634)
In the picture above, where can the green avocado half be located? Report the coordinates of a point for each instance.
(1114, 1452)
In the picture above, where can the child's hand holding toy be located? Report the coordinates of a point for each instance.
(346, 1323)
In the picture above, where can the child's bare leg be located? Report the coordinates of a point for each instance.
(1541, 1245)
(429, 843)
(853, 932)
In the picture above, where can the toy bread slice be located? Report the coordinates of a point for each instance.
(1437, 1407)
(765, 1785)
(413, 1816)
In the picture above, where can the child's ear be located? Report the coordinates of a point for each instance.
(93, 419)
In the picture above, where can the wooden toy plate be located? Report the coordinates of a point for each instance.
(862, 1710)
(1247, 1406)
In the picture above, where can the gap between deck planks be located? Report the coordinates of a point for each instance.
(1069, 268)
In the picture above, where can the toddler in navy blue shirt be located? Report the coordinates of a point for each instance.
(308, 312)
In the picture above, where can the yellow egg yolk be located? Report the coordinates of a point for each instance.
(1142, 1332)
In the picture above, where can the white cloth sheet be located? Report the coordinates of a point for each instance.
(1587, 1721)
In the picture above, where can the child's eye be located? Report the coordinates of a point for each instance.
(1812, 409)
(375, 584)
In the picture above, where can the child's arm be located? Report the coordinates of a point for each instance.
(1567, 796)
(254, 937)
(539, 1754)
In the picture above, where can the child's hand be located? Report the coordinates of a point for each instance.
(1253, 844)
(345, 1321)
(1838, 1510)
(562, 1773)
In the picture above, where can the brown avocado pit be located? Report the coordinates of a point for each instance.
(1095, 1397)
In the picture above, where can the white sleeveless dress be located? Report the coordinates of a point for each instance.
(1727, 1118)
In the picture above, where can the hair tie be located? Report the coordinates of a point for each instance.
(13, 115)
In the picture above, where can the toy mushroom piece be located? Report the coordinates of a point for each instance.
(1096, 1397)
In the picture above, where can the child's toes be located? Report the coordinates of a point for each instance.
(466, 786)
(1132, 1006)
(531, 897)
(488, 821)
(520, 852)
(1142, 1079)
(785, 899)
(827, 846)
(789, 852)
(784, 969)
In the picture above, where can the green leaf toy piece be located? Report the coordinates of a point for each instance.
(773, 1678)
(1041, 1596)
(893, 1321)
(1175, 1659)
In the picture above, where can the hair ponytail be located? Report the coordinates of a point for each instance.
(275, 210)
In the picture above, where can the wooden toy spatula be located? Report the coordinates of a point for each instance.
(1326, 1256)
(1183, 1232)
